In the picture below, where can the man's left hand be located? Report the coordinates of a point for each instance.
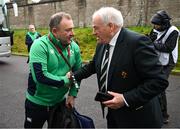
(70, 101)
(116, 102)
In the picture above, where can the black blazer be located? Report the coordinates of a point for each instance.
(136, 73)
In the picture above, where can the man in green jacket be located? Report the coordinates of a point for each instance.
(48, 84)
(31, 35)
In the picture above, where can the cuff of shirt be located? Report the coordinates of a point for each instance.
(125, 101)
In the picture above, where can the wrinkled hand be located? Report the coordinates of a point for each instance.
(116, 102)
(70, 102)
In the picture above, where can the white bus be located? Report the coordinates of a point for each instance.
(6, 35)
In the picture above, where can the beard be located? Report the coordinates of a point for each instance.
(64, 43)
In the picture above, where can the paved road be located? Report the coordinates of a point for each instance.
(13, 83)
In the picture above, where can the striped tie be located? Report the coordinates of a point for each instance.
(104, 70)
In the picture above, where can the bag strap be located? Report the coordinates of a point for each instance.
(60, 52)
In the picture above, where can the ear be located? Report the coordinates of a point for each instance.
(54, 31)
(111, 25)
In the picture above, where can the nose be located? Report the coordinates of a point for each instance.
(94, 32)
(71, 33)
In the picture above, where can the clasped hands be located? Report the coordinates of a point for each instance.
(115, 103)
(69, 76)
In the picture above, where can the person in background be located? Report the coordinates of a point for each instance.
(165, 40)
(48, 84)
(31, 35)
(133, 75)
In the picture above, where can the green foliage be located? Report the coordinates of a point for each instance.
(86, 41)
(141, 29)
(83, 36)
(19, 42)
(19, 46)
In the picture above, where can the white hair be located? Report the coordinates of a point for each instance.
(109, 15)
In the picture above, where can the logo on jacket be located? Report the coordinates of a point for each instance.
(124, 74)
(72, 52)
(51, 51)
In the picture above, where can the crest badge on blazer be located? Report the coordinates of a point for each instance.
(124, 74)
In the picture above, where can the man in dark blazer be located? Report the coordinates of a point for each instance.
(134, 76)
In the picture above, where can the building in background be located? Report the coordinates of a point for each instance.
(135, 12)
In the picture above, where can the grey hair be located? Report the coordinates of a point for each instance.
(57, 18)
(109, 15)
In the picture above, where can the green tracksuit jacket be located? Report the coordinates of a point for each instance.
(47, 83)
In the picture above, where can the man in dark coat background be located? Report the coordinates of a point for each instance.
(165, 38)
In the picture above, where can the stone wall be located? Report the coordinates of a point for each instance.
(135, 12)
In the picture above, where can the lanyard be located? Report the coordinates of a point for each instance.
(60, 52)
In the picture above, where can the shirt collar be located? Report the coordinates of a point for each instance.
(114, 39)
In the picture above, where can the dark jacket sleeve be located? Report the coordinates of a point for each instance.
(169, 45)
(88, 69)
(44, 79)
(28, 40)
(152, 81)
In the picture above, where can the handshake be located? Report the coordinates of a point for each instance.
(71, 77)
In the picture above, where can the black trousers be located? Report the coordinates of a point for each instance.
(36, 115)
(162, 97)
